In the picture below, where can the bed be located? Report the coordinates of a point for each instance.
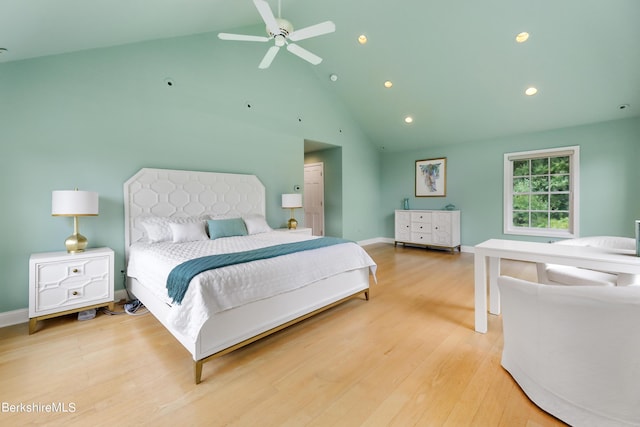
(224, 309)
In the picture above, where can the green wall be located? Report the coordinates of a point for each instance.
(92, 119)
(609, 174)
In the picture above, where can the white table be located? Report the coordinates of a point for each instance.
(490, 252)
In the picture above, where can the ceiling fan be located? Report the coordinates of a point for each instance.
(281, 31)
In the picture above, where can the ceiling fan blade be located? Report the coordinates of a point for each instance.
(267, 16)
(313, 31)
(242, 37)
(268, 58)
(304, 54)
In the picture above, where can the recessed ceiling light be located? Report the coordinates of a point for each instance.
(388, 84)
(531, 91)
(362, 39)
(522, 37)
(408, 119)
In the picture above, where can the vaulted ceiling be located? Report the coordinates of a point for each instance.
(455, 65)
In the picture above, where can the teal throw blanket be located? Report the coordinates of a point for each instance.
(181, 275)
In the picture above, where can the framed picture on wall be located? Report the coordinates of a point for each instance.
(431, 177)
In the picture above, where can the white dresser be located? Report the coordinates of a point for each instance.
(62, 283)
(429, 228)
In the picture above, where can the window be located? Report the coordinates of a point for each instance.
(541, 192)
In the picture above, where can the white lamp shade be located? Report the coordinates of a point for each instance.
(74, 203)
(292, 200)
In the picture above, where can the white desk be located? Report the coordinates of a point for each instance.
(490, 252)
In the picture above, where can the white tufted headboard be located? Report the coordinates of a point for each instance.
(177, 193)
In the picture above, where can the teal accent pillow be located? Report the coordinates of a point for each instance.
(226, 228)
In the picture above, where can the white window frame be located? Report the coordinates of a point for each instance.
(574, 189)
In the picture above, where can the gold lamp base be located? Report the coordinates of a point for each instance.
(292, 224)
(75, 243)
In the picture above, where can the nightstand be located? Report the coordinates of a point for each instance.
(301, 230)
(61, 283)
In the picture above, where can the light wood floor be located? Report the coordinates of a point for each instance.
(407, 357)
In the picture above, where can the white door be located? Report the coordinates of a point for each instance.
(314, 198)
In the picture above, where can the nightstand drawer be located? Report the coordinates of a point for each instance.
(66, 284)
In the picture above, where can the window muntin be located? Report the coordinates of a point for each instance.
(541, 192)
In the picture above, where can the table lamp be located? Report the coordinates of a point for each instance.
(293, 202)
(74, 203)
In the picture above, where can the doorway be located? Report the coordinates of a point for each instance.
(314, 197)
(331, 158)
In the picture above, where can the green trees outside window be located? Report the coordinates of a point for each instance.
(541, 192)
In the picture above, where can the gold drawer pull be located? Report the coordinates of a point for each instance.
(75, 293)
(75, 270)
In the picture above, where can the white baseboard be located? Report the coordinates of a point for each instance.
(16, 317)
(120, 295)
(375, 240)
(467, 249)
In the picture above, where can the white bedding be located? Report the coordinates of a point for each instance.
(225, 288)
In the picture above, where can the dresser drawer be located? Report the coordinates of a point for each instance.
(420, 227)
(421, 238)
(421, 217)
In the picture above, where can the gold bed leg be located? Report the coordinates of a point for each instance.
(33, 322)
(197, 369)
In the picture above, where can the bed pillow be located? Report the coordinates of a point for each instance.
(188, 232)
(226, 228)
(156, 232)
(157, 228)
(256, 224)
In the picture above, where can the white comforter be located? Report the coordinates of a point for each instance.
(225, 288)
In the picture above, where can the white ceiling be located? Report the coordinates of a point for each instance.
(455, 65)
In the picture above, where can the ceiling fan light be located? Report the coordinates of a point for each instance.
(279, 40)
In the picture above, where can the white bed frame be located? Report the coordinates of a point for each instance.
(176, 193)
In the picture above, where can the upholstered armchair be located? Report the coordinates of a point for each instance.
(552, 274)
(574, 350)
